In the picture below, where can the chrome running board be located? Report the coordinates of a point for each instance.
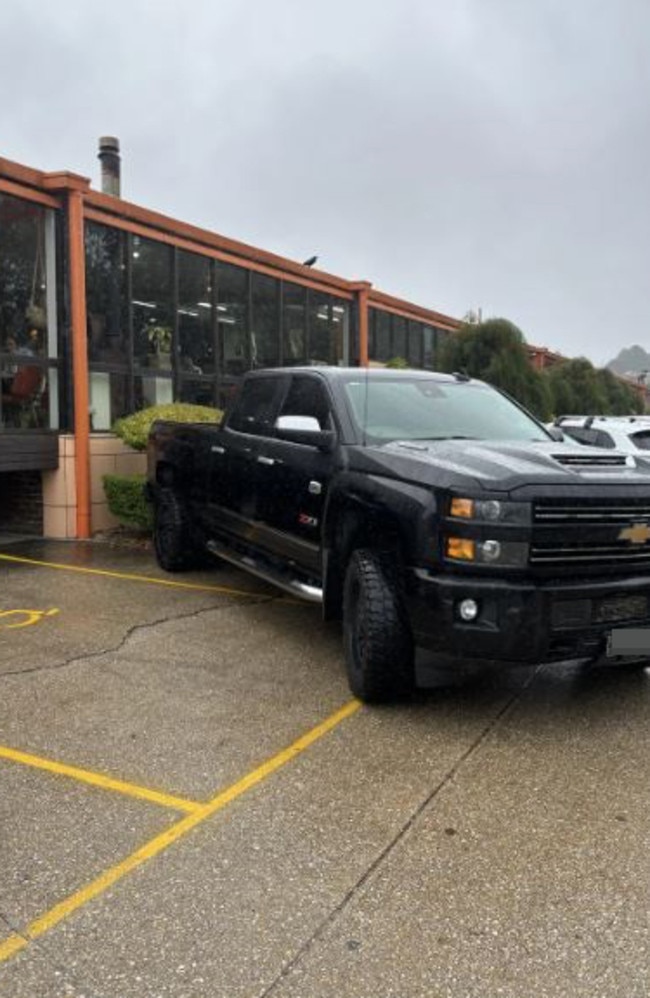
(312, 594)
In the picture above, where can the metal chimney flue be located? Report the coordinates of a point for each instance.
(109, 157)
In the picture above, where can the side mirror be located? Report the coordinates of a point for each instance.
(304, 430)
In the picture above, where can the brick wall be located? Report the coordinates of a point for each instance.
(21, 502)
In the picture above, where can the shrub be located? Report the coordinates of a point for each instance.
(401, 363)
(134, 429)
(126, 500)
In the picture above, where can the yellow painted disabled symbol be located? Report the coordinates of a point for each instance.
(23, 618)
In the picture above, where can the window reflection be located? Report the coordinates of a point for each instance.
(28, 328)
(153, 389)
(151, 302)
(294, 312)
(198, 392)
(399, 337)
(106, 297)
(194, 314)
(232, 315)
(414, 344)
(381, 347)
(109, 398)
(265, 323)
(320, 323)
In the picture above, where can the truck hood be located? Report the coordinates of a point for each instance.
(503, 465)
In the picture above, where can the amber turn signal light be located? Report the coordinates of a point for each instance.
(460, 548)
(462, 507)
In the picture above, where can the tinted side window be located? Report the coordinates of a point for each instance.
(308, 397)
(254, 409)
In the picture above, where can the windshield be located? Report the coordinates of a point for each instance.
(426, 409)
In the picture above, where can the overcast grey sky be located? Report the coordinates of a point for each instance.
(460, 153)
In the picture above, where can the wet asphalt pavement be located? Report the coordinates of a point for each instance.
(166, 831)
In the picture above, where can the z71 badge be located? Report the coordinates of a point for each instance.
(307, 521)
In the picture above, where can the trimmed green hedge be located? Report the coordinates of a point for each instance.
(134, 429)
(126, 501)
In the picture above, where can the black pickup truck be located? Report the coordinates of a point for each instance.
(424, 509)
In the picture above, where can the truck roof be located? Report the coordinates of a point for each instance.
(335, 373)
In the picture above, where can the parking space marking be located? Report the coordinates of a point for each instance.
(20, 940)
(25, 617)
(132, 577)
(100, 780)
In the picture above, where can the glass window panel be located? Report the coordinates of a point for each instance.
(340, 333)
(26, 264)
(294, 312)
(194, 314)
(382, 336)
(199, 392)
(151, 301)
(429, 347)
(399, 337)
(320, 328)
(265, 323)
(440, 338)
(414, 343)
(232, 317)
(227, 389)
(109, 399)
(106, 295)
(153, 389)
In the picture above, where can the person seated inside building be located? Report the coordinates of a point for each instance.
(21, 384)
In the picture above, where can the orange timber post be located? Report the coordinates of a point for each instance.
(362, 290)
(75, 187)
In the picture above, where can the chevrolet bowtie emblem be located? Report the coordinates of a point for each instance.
(638, 533)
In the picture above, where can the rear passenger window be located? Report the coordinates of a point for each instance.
(254, 409)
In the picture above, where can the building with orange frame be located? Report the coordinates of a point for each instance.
(107, 307)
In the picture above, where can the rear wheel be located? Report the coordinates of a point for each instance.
(172, 537)
(377, 638)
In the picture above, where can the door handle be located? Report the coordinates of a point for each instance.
(263, 459)
(216, 449)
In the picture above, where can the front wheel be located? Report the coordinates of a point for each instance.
(377, 638)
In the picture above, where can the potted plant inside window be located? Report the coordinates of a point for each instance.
(160, 338)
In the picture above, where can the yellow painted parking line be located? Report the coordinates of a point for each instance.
(131, 577)
(100, 780)
(18, 941)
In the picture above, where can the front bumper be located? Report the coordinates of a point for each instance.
(527, 622)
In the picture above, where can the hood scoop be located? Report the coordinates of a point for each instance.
(592, 460)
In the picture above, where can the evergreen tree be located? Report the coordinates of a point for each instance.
(495, 351)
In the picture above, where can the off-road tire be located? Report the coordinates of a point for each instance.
(377, 639)
(172, 537)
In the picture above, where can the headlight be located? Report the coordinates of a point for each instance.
(505, 554)
(490, 510)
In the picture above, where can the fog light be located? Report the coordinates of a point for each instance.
(468, 609)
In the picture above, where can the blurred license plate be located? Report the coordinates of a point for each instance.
(629, 641)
